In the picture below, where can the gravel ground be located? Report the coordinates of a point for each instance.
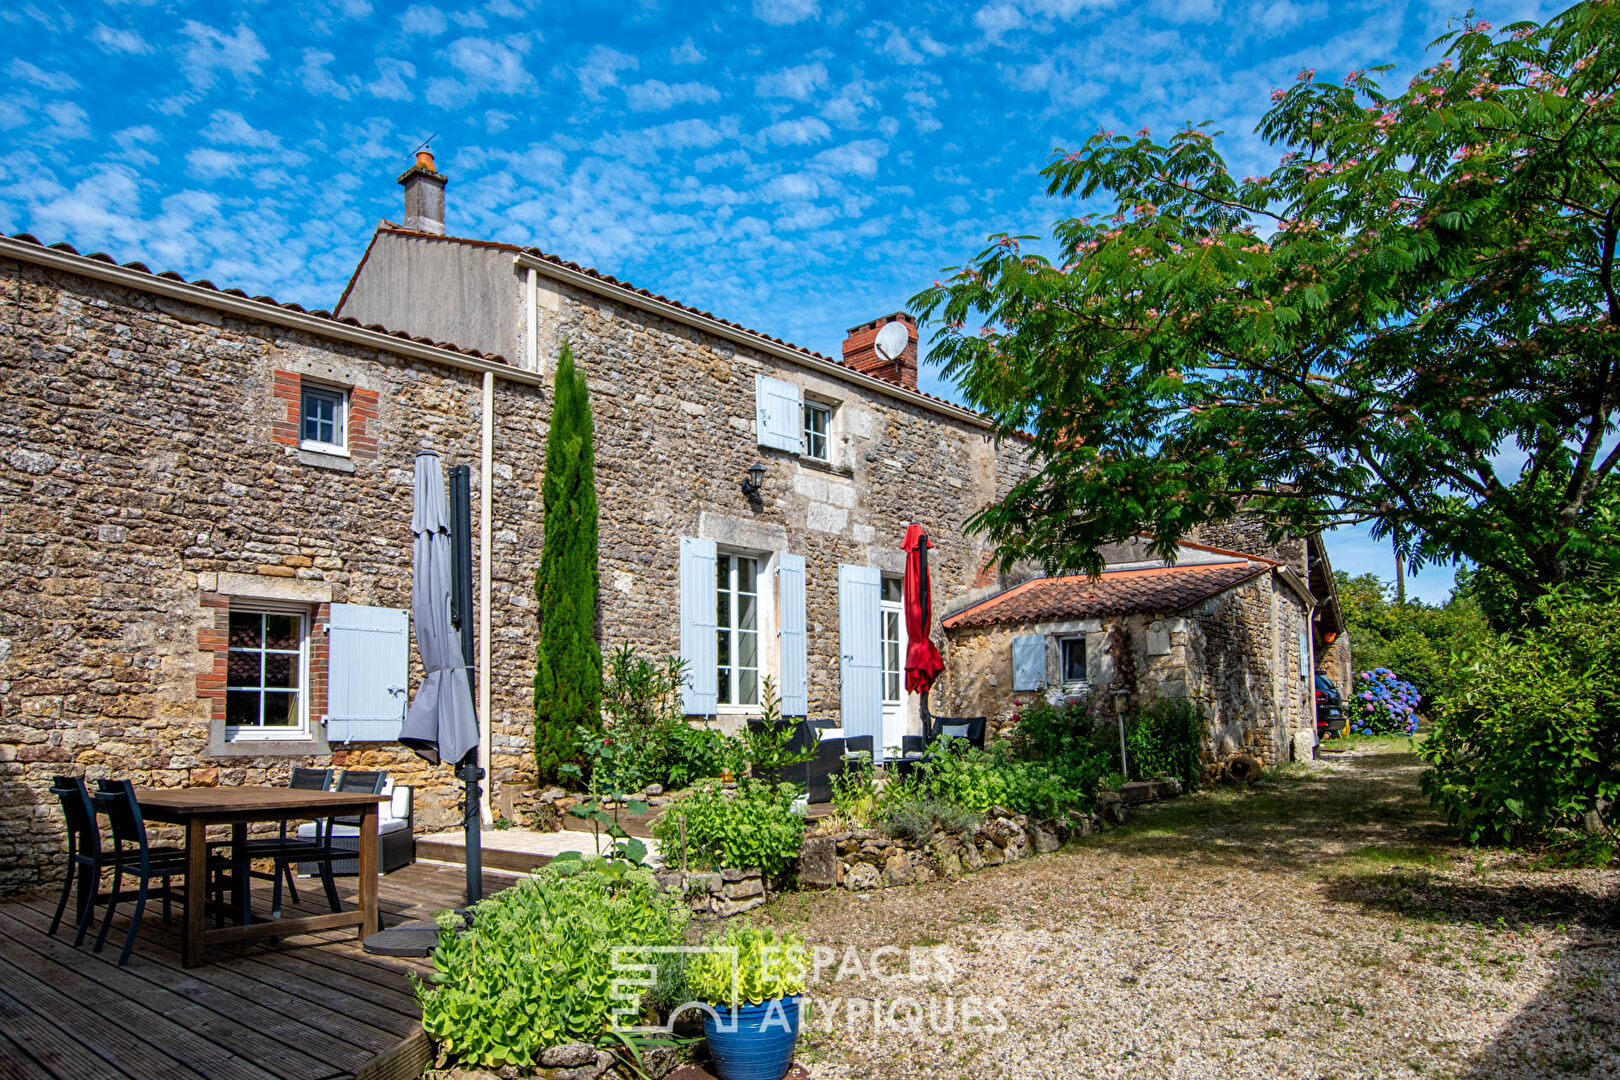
(1323, 924)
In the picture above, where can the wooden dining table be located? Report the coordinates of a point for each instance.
(199, 808)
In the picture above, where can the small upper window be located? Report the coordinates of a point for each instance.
(324, 418)
(1072, 655)
(817, 426)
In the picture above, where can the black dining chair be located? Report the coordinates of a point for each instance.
(133, 855)
(85, 857)
(284, 850)
(322, 851)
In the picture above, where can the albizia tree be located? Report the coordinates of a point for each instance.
(1411, 320)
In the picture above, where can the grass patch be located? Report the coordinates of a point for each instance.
(1382, 855)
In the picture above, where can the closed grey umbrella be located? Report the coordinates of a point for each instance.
(441, 724)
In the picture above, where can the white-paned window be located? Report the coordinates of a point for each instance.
(817, 430)
(890, 612)
(267, 663)
(1072, 661)
(323, 419)
(737, 629)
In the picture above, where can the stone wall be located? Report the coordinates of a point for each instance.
(1236, 654)
(144, 485)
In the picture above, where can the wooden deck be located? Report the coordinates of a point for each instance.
(311, 1007)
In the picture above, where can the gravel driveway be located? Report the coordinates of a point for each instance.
(1323, 924)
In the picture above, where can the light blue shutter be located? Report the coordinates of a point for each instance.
(779, 414)
(368, 669)
(702, 692)
(860, 646)
(791, 636)
(1029, 662)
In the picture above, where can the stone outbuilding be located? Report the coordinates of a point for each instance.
(1228, 631)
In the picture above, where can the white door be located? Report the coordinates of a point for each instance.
(861, 697)
(892, 635)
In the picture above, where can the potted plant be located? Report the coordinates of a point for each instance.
(751, 977)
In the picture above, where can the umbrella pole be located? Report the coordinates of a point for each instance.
(461, 605)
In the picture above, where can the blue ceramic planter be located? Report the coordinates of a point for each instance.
(757, 1047)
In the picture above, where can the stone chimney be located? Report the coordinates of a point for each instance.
(424, 195)
(874, 349)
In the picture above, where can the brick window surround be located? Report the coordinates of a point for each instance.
(215, 639)
(288, 388)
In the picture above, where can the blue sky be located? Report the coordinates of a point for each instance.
(797, 166)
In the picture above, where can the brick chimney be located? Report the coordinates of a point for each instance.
(424, 195)
(871, 349)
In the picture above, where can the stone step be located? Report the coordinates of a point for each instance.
(635, 824)
(517, 862)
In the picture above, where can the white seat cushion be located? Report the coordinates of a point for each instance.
(830, 733)
(306, 831)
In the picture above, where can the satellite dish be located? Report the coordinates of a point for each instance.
(891, 340)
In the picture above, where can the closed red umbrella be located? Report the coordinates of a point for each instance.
(923, 663)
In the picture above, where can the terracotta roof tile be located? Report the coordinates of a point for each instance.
(1118, 592)
(204, 283)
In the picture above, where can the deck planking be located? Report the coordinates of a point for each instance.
(310, 1007)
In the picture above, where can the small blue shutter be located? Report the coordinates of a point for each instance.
(698, 627)
(791, 636)
(779, 414)
(1029, 662)
(368, 669)
(861, 666)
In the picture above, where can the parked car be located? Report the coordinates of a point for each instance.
(1330, 718)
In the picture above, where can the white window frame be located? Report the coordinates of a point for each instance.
(727, 681)
(825, 411)
(299, 732)
(340, 420)
(892, 612)
(1063, 673)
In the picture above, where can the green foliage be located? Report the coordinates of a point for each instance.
(854, 796)
(1166, 739)
(751, 825)
(697, 754)
(1414, 640)
(765, 747)
(1419, 293)
(921, 818)
(978, 780)
(1528, 741)
(648, 733)
(535, 969)
(568, 665)
(747, 965)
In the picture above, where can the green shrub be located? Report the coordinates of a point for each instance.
(768, 965)
(1528, 739)
(981, 779)
(697, 754)
(915, 820)
(1166, 739)
(536, 968)
(752, 825)
(854, 796)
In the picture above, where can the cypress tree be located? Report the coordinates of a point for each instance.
(568, 668)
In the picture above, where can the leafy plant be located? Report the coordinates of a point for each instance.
(915, 820)
(568, 664)
(1408, 320)
(713, 828)
(1529, 740)
(1166, 739)
(979, 780)
(854, 795)
(1413, 639)
(766, 745)
(1381, 704)
(535, 969)
(748, 964)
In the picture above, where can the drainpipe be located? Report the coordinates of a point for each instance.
(531, 342)
(486, 509)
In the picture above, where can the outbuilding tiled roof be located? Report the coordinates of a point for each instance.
(1118, 592)
(204, 283)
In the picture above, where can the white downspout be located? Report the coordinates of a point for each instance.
(531, 304)
(486, 508)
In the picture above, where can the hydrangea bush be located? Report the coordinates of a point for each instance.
(1382, 704)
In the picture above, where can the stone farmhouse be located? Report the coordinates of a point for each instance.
(205, 554)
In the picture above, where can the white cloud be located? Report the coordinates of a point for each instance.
(232, 129)
(393, 79)
(996, 19)
(785, 12)
(911, 47)
(800, 131)
(686, 52)
(850, 104)
(317, 80)
(656, 96)
(211, 50)
(423, 19)
(859, 158)
(601, 69)
(55, 81)
(647, 143)
(114, 40)
(132, 143)
(798, 83)
(486, 66)
(68, 121)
